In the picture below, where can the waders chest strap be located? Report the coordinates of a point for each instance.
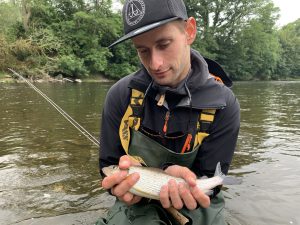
(131, 118)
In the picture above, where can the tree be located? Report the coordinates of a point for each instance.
(238, 34)
(26, 13)
(221, 18)
(255, 51)
(70, 37)
(289, 37)
(9, 16)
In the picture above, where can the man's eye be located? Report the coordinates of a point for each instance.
(163, 46)
(142, 51)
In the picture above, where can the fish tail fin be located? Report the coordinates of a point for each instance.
(218, 171)
(227, 180)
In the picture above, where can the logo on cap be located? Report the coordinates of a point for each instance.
(135, 11)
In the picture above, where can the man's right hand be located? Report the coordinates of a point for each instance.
(120, 183)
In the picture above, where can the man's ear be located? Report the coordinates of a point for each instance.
(191, 30)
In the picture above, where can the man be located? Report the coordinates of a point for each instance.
(172, 114)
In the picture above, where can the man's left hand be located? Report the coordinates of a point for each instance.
(180, 194)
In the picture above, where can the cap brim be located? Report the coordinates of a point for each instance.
(141, 30)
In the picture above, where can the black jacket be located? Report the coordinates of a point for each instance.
(204, 91)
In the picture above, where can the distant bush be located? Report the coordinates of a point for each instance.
(23, 49)
(5, 56)
(72, 66)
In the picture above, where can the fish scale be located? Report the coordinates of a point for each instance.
(150, 182)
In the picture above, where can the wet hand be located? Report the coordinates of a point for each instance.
(180, 194)
(120, 183)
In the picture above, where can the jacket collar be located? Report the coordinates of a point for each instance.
(205, 91)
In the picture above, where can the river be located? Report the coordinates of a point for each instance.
(49, 171)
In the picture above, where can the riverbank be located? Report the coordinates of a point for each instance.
(7, 78)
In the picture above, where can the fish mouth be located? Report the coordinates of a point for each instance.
(106, 171)
(109, 170)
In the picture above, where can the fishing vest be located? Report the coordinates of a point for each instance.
(149, 152)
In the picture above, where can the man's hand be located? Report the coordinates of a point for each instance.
(120, 183)
(180, 194)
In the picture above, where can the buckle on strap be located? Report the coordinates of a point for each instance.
(206, 118)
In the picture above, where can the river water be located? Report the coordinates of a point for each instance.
(49, 171)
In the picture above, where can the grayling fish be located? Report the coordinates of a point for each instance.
(152, 179)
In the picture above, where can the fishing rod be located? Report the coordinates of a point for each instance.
(60, 110)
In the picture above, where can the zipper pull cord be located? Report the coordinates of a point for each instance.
(187, 143)
(167, 117)
(161, 99)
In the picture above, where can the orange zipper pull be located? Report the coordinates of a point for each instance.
(187, 144)
(166, 122)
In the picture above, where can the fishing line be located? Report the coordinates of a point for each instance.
(60, 110)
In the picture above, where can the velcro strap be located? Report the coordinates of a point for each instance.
(207, 117)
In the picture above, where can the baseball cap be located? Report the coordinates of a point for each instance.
(140, 16)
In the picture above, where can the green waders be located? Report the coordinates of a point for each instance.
(152, 213)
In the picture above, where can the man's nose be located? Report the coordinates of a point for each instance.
(156, 60)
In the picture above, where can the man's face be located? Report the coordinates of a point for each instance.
(165, 53)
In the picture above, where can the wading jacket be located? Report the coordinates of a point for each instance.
(183, 105)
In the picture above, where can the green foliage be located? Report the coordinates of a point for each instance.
(23, 49)
(97, 60)
(47, 41)
(9, 15)
(5, 56)
(42, 14)
(255, 54)
(86, 47)
(70, 37)
(123, 62)
(72, 66)
(289, 37)
(243, 40)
